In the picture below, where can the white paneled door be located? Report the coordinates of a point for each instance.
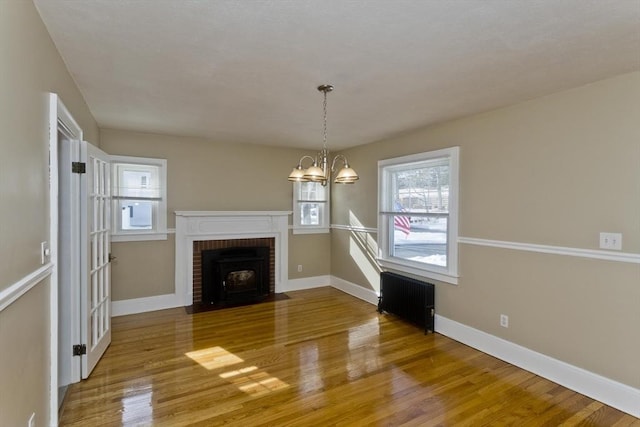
(96, 292)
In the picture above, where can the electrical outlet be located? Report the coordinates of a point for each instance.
(299, 268)
(504, 320)
(611, 241)
(32, 420)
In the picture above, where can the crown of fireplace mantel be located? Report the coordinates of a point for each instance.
(233, 213)
(223, 225)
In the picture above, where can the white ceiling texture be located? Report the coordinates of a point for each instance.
(246, 71)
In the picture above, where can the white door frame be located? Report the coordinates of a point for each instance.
(58, 116)
(69, 258)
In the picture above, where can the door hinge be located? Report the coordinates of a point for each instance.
(79, 349)
(78, 167)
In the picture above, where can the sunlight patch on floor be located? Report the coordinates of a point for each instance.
(213, 358)
(238, 372)
(249, 379)
(255, 384)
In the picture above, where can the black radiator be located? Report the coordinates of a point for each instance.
(408, 298)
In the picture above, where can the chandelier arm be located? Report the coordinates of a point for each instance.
(306, 157)
(341, 157)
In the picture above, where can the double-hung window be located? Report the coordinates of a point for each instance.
(418, 214)
(139, 198)
(310, 208)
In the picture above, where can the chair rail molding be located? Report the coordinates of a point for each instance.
(555, 250)
(9, 295)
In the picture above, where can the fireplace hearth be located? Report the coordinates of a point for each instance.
(236, 275)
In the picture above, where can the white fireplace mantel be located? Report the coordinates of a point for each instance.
(224, 225)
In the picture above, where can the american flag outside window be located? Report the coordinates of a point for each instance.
(401, 222)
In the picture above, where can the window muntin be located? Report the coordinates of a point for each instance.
(310, 208)
(418, 213)
(139, 198)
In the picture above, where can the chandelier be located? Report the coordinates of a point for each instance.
(319, 170)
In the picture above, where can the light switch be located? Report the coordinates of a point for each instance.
(45, 252)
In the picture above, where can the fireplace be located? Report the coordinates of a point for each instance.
(220, 255)
(203, 230)
(235, 275)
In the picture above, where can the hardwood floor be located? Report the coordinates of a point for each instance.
(320, 358)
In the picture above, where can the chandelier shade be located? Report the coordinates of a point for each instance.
(319, 170)
(297, 174)
(314, 173)
(346, 176)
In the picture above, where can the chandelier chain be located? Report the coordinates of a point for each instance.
(324, 133)
(321, 169)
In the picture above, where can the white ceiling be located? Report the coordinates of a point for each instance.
(246, 71)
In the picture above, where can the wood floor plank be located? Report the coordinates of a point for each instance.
(319, 358)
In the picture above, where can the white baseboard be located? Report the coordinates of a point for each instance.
(161, 302)
(308, 283)
(142, 305)
(610, 392)
(357, 291)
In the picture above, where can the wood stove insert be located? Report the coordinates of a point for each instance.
(233, 276)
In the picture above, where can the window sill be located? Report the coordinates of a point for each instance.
(139, 237)
(314, 230)
(419, 271)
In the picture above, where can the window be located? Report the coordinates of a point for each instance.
(139, 198)
(310, 208)
(418, 214)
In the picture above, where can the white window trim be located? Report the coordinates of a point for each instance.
(160, 231)
(310, 229)
(298, 228)
(447, 274)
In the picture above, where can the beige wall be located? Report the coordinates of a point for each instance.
(24, 359)
(31, 67)
(556, 170)
(205, 175)
(311, 251)
(579, 310)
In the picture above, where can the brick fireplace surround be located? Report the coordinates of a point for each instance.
(198, 230)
